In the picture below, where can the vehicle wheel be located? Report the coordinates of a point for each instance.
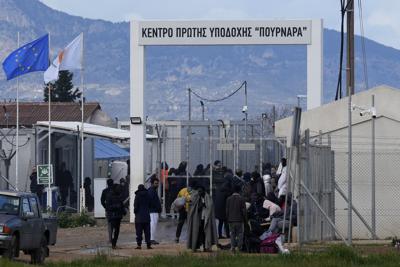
(11, 252)
(39, 254)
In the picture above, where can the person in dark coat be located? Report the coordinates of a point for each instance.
(198, 176)
(155, 209)
(35, 187)
(181, 172)
(257, 184)
(246, 187)
(236, 215)
(89, 200)
(220, 206)
(64, 182)
(199, 170)
(218, 173)
(103, 200)
(142, 216)
(115, 211)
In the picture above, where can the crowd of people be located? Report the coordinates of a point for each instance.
(250, 208)
(245, 207)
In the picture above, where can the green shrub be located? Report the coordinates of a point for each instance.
(72, 220)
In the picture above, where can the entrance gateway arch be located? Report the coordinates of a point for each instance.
(277, 32)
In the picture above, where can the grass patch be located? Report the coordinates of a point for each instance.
(72, 220)
(334, 256)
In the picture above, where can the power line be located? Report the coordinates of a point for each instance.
(218, 99)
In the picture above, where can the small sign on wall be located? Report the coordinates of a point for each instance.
(44, 174)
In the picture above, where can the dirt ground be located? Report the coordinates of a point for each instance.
(87, 242)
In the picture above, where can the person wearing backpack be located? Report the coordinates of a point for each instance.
(115, 212)
(236, 215)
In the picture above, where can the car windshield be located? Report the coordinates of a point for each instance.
(9, 205)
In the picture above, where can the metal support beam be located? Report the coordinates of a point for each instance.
(355, 210)
(324, 213)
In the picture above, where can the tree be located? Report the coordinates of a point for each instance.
(62, 90)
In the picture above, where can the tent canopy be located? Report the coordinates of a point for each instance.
(104, 149)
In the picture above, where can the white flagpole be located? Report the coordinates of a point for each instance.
(82, 198)
(17, 126)
(49, 193)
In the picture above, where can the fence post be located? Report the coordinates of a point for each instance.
(350, 174)
(211, 160)
(187, 155)
(158, 164)
(164, 159)
(373, 206)
(332, 189)
(303, 234)
(261, 147)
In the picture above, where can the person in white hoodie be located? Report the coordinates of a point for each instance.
(282, 182)
(267, 178)
(271, 207)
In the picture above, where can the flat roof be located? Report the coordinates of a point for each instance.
(91, 130)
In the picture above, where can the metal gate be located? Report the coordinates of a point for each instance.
(316, 194)
(202, 151)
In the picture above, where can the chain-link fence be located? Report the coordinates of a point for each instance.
(202, 151)
(375, 184)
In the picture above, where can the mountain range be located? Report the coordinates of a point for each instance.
(274, 74)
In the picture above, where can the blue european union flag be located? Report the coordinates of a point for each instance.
(28, 58)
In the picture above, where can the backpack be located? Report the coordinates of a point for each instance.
(268, 245)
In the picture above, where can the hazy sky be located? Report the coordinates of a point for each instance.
(381, 17)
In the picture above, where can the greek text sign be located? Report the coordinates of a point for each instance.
(224, 32)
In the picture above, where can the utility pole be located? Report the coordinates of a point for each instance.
(350, 92)
(350, 48)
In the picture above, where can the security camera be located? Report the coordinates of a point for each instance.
(364, 112)
(244, 109)
(373, 112)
